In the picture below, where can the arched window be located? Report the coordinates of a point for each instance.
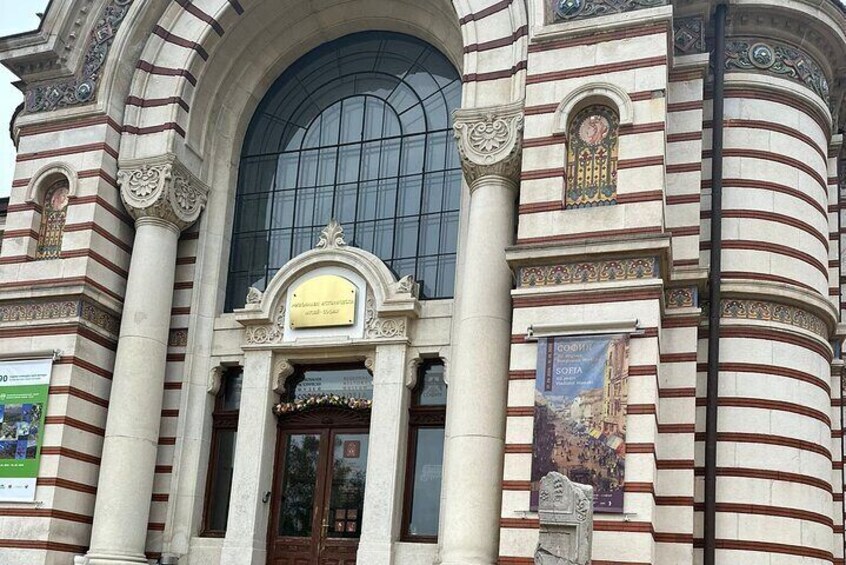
(53, 214)
(592, 141)
(358, 130)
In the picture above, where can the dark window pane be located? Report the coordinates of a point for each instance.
(354, 147)
(426, 492)
(221, 486)
(449, 232)
(341, 381)
(427, 275)
(349, 470)
(232, 381)
(431, 388)
(446, 276)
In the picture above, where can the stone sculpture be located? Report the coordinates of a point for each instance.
(565, 510)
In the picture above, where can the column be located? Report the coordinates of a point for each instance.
(388, 437)
(490, 143)
(252, 478)
(163, 198)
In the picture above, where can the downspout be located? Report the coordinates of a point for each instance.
(718, 62)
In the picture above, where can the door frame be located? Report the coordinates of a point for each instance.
(324, 421)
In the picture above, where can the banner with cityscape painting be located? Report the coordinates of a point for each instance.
(23, 406)
(580, 415)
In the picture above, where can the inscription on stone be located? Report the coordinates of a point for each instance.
(324, 301)
(565, 511)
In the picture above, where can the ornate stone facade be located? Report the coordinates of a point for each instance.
(490, 141)
(82, 88)
(777, 59)
(565, 10)
(689, 35)
(162, 188)
(80, 308)
(565, 511)
(773, 312)
(589, 272)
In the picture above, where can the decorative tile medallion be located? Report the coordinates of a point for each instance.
(682, 297)
(178, 337)
(777, 59)
(689, 35)
(566, 10)
(589, 272)
(61, 309)
(773, 312)
(82, 88)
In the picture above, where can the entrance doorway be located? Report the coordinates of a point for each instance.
(318, 496)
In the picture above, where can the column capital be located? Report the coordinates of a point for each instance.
(162, 188)
(490, 141)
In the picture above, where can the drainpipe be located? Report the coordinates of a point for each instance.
(718, 62)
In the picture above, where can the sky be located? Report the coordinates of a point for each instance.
(15, 16)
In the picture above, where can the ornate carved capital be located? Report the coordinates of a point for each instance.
(162, 188)
(490, 141)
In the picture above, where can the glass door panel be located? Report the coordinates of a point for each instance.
(302, 455)
(346, 498)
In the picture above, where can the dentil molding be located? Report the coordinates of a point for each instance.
(161, 188)
(490, 141)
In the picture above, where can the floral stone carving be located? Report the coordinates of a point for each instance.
(565, 512)
(490, 141)
(82, 88)
(268, 334)
(379, 328)
(162, 188)
(331, 236)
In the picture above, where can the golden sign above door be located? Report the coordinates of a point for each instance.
(323, 302)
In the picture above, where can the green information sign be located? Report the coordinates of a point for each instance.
(23, 406)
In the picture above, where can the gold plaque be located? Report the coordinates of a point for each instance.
(323, 302)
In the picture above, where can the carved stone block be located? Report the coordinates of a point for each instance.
(565, 510)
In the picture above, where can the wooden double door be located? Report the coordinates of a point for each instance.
(318, 497)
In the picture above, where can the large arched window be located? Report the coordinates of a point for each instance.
(592, 144)
(358, 130)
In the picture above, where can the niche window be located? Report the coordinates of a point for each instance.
(53, 215)
(222, 458)
(427, 416)
(592, 144)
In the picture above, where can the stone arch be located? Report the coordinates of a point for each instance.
(604, 93)
(46, 177)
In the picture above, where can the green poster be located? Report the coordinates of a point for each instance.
(23, 406)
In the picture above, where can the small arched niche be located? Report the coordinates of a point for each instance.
(50, 190)
(604, 94)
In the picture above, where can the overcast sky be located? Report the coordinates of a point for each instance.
(17, 16)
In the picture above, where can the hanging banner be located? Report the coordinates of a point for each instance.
(580, 415)
(23, 407)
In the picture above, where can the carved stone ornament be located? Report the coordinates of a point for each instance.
(566, 10)
(281, 371)
(411, 371)
(777, 59)
(253, 295)
(162, 188)
(380, 328)
(407, 285)
(82, 88)
(689, 35)
(267, 334)
(565, 512)
(370, 363)
(215, 380)
(331, 236)
(490, 141)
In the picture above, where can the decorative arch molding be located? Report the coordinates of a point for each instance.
(595, 92)
(390, 303)
(46, 177)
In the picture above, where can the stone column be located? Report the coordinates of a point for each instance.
(490, 143)
(388, 436)
(252, 478)
(163, 198)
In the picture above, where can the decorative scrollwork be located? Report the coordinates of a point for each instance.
(332, 236)
(378, 328)
(267, 334)
(490, 141)
(566, 10)
(689, 35)
(82, 88)
(162, 188)
(778, 59)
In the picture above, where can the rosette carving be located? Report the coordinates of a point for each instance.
(490, 141)
(162, 188)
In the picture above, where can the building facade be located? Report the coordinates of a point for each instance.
(293, 263)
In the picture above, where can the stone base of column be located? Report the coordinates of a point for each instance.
(110, 559)
(374, 553)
